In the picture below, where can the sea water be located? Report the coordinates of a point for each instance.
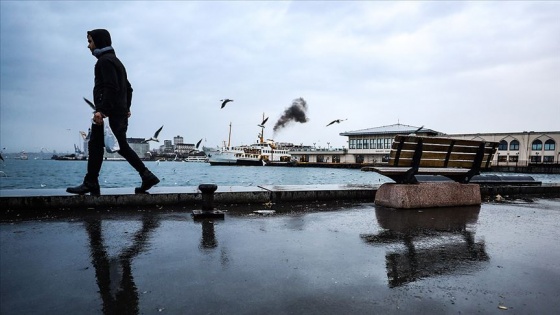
(53, 174)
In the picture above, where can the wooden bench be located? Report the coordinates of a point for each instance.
(456, 159)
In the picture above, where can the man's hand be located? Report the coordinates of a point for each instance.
(98, 118)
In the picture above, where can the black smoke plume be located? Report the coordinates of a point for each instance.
(296, 112)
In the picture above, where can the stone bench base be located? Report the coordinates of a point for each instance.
(427, 195)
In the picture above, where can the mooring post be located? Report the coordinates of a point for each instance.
(208, 210)
(207, 195)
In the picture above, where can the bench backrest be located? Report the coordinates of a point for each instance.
(416, 151)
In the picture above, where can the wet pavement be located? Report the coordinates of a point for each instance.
(318, 258)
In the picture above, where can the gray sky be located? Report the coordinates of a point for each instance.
(455, 67)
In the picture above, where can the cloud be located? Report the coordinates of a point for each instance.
(376, 63)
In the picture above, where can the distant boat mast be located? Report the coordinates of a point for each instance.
(229, 137)
(262, 132)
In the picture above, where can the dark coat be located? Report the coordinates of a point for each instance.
(112, 92)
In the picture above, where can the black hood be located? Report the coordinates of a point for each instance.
(100, 37)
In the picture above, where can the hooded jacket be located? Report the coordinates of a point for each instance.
(112, 93)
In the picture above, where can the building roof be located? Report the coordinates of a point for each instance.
(391, 129)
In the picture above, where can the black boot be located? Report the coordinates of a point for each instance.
(88, 186)
(148, 180)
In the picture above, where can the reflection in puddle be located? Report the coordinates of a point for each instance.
(208, 239)
(114, 273)
(434, 242)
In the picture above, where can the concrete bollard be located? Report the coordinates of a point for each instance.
(207, 211)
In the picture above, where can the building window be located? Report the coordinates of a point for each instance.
(366, 144)
(549, 145)
(388, 142)
(352, 144)
(502, 158)
(514, 145)
(503, 145)
(537, 145)
(336, 158)
(536, 158)
(359, 144)
(548, 159)
(514, 158)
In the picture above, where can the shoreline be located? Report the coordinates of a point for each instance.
(18, 202)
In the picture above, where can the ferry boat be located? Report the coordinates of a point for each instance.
(196, 158)
(257, 154)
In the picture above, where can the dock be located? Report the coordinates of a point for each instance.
(191, 197)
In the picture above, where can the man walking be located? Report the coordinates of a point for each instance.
(112, 95)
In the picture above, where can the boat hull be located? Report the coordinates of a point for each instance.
(238, 162)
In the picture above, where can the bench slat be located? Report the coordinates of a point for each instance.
(408, 146)
(438, 140)
(438, 155)
(436, 163)
(422, 170)
(407, 162)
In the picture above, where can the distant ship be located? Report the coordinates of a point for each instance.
(22, 156)
(257, 154)
(196, 158)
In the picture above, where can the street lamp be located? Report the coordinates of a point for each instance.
(328, 145)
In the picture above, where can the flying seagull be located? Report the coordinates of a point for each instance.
(414, 132)
(155, 137)
(90, 104)
(196, 147)
(225, 101)
(263, 122)
(336, 121)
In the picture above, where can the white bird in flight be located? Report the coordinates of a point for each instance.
(155, 137)
(414, 132)
(263, 122)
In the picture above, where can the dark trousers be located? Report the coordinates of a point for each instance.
(96, 147)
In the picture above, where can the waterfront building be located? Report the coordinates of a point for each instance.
(137, 144)
(521, 148)
(183, 148)
(312, 154)
(167, 147)
(177, 140)
(373, 146)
